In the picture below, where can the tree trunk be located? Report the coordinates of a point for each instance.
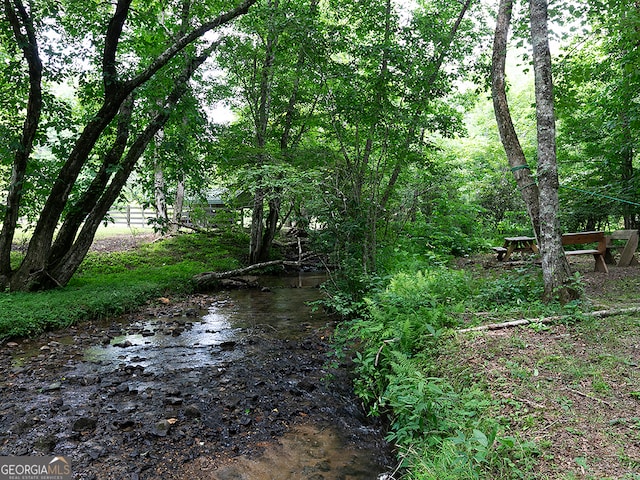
(20, 21)
(515, 155)
(257, 226)
(555, 268)
(34, 271)
(62, 271)
(178, 205)
(270, 230)
(159, 189)
(628, 172)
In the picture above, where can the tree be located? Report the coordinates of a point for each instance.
(543, 204)
(271, 62)
(598, 112)
(555, 268)
(388, 86)
(139, 47)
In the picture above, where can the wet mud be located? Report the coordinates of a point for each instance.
(228, 385)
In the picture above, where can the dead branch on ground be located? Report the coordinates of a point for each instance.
(527, 321)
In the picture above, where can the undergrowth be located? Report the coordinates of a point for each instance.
(113, 283)
(444, 424)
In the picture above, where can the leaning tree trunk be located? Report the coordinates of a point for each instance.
(34, 271)
(515, 155)
(25, 34)
(75, 218)
(555, 268)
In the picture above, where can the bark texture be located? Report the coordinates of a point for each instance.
(515, 155)
(555, 268)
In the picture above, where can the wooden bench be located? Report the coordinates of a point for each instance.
(501, 251)
(515, 244)
(627, 257)
(584, 238)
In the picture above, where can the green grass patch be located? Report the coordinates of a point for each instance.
(113, 283)
(503, 405)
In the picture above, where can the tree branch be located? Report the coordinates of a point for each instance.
(528, 321)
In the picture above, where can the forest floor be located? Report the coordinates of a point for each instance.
(572, 388)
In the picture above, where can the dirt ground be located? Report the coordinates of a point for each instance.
(114, 243)
(572, 388)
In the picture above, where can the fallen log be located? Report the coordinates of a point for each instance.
(211, 279)
(527, 321)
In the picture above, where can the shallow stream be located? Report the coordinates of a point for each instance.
(231, 385)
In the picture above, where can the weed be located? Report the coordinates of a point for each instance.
(599, 384)
(565, 403)
(539, 327)
(446, 419)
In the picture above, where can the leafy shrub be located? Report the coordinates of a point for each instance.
(445, 427)
(524, 286)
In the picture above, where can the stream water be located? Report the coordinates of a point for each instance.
(233, 385)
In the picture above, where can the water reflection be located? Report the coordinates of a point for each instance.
(281, 308)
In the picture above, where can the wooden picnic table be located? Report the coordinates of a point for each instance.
(585, 239)
(516, 244)
(627, 257)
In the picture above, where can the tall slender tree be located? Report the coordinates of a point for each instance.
(555, 268)
(542, 201)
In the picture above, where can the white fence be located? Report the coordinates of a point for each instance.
(132, 215)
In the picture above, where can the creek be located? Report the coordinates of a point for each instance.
(230, 385)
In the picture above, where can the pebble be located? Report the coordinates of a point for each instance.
(84, 424)
(161, 428)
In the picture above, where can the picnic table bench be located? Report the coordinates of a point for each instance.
(527, 244)
(585, 238)
(627, 257)
(515, 244)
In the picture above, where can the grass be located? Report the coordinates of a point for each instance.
(572, 393)
(542, 401)
(113, 283)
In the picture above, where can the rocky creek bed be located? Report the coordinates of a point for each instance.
(191, 389)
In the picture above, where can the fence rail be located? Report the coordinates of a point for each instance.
(132, 215)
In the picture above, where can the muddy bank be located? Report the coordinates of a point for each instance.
(216, 386)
